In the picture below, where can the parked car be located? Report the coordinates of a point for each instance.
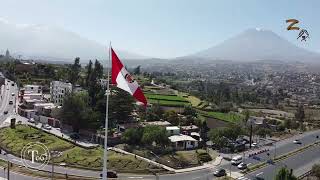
(219, 172)
(31, 120)
(5, 112)
(297, 141)
(12, 84)
(47, 127)
(242, 166)
(236, 160)
(10, 102)
(111, 174)
(254, 145)
(12, 94)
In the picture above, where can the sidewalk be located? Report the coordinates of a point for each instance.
(54, 131)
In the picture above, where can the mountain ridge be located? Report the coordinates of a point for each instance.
(253, 45)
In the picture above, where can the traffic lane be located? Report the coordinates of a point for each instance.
(294, 162)
(283, 148)
(16, 176)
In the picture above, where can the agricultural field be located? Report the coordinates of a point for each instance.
(229, 117)
(167, 100)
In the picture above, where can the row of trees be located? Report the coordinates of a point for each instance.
(87, 109)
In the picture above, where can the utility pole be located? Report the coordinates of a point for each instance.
(250, 134)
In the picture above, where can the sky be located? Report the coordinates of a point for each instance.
(167, 28)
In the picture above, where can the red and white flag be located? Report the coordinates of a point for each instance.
(122, 78)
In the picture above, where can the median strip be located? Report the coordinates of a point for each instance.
(279, 158)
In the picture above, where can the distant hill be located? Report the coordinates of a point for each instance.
(52, 44)
(255, 44)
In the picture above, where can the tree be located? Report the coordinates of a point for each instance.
(74, 111)
(93, 84)
(155, 134)
(172, 117)
(221, 136)
(136, 70)
(216, 136)
(133, 136)
(285, 174)
(316, 170)
(89, 73)
(74, 71)
(300, 115)
(263, 132)
(120, 105)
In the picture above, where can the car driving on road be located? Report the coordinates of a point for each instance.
(297, 141)
(242, 166)
(219, 172)
(236, 160)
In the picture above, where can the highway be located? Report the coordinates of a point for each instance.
(296, 162)
(278, 148)
(6, 96)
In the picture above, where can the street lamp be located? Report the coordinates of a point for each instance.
(54, 154)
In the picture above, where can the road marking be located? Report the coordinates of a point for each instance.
(259, 174)
(135, 177)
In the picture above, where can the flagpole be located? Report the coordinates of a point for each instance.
(105, 154)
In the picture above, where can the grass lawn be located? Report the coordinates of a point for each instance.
(74, 156)
(84, 158)
(177, 159)
(3, 163)
(230, 117)
(15, 139)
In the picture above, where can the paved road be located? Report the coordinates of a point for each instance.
(280, 148)
(6, 95)
(297, 162)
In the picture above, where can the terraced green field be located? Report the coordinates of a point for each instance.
(167, 100)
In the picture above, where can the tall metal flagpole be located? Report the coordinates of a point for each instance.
(105, 154)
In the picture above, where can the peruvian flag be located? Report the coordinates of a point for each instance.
(121, 77)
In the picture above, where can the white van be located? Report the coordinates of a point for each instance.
(236, 160)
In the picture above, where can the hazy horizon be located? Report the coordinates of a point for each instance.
(165, 29)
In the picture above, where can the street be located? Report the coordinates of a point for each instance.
(6, 96)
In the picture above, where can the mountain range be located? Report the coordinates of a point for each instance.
(54, 44)
(50, 43)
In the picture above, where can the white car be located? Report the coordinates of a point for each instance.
(254, 145)
(31, 120)
(297, 141)
(47, 127)
(242, 166)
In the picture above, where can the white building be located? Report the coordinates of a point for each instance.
(183, 142)
(58, 90)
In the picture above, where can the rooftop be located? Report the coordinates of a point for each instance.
(157, 123)
(172, 128)
(181, 137)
